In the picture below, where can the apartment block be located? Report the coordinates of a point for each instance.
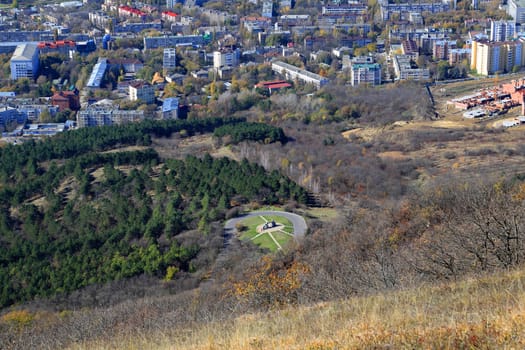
(292, 72)
(491, 57)
(457, 55)
(502, 30)
(365, 74)
(169, 59)
(24, 62)
(405, 71)
(403, 10)
(441, 49)
(516, 9)
(97, 115)
(156, 42)
(226, 58)
(143, 91)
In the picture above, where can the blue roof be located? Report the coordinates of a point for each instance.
(98, 73)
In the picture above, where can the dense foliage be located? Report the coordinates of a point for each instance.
(71, 216)
(251, 131)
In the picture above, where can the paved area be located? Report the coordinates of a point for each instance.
(299, 225)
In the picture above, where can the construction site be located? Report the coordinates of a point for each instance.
(492, 101)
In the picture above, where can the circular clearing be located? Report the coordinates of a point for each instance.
(268, 229)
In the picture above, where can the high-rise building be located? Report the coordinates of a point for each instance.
(170, 3)
(24, 62)
(365, 73)
(492, 57)
(502, 30)
(516, 9)
(169, 60)
(226, 57)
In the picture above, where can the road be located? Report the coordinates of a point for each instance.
(299, 225)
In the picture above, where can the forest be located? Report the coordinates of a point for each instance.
(73, 215)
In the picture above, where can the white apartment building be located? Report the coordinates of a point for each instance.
(141, 90)
(516, 9)
(226, 58)
(293, 72)
(502, 30)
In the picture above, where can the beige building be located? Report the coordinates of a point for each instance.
(143, 91)
(492, 57)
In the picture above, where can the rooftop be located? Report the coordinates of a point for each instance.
(25, 52)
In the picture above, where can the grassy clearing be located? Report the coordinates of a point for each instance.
(483, 313)
(282, 238)
(323, 214)
(264, 240)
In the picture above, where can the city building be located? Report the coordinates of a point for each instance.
(294, 20)
(292, 72)
(256, 24)
(403, 10)
(63, 47)
(157, 42)
(95, 79)
(493, 57)
(128, 65)
(129, 11)
(441, 49)
(365, 74)
(101, 20)
(226, 57)
(405, 71)
(272, 86)
(100, 114)
(502, 30)
(66, 100)
(24, 62)
(219, 18)
(410, 48)
(267, 9)
(516, 9)
(169, 16)
(169, 59)
(458, 55)
(143, 91)
(170, 108)
(171, 3)
(9, 115)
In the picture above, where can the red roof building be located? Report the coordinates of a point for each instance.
(130, 11)
(273, 85)
(66, 100)
(169, 16)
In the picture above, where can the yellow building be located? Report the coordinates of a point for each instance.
(491, 57)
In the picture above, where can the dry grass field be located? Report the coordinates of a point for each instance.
(176, 147)
(483, 313)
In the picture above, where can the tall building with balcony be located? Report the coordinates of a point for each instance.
(492, 57)
(169, 59)
(365, 74)
(516, 9)
(502, 30)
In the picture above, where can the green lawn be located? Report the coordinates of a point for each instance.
(264, 240)
(282, 238)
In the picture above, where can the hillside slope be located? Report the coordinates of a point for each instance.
(487, 312)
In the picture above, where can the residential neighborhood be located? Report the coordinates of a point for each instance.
(66, 59)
